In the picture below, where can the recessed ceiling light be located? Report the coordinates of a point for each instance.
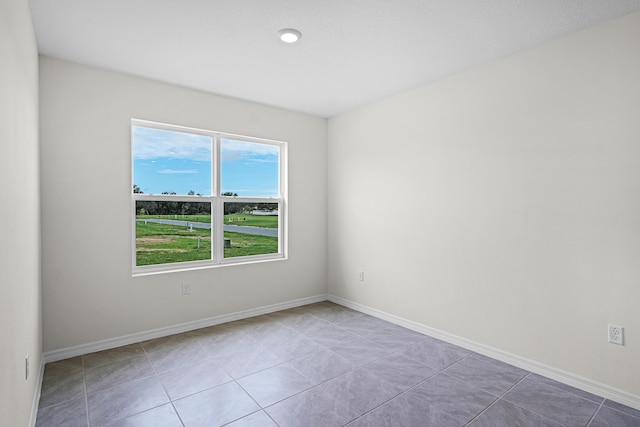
(289, 35)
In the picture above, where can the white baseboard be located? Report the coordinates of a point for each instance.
(564, 377)
(568, 378)
(36, 396)
(78, 350)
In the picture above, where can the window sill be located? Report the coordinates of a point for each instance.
(165, 269)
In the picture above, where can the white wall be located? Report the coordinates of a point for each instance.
(20, 319)
(88, 292)
(502, 205)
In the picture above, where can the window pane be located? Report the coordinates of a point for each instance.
(168, 232)
(250, 229)
(169, 162)
(249, 169)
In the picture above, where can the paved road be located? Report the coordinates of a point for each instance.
(273, 232)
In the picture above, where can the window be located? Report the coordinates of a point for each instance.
(203, 198)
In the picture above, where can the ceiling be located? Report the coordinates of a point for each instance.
(352, 52)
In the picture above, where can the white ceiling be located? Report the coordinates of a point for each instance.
(352, 52)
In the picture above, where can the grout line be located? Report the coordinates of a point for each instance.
(272, 419)
(568, 391)
(545, 416)
(455, 363)
(155, 374)
(252, 398)
(500, 398)
(620, 411)
(436, 372)
(86, 395)
(177, 413)
(595, 413)
(355, 368)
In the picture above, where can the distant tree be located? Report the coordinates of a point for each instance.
(146, 207)
(230, 208)
(168, 207)
(238, 207)
(267, 207)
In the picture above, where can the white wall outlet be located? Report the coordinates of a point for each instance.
(361, 276)
(616, 334)
(26, 368)
(186, 289)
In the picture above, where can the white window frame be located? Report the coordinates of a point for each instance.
(217, 204)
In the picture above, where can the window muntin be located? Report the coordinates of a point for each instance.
(187, 186)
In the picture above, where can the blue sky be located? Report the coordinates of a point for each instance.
(248, 168)
(179, 162)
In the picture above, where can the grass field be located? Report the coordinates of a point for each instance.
(233, 219)
(265, 221)
(163, 244)
(249, 244)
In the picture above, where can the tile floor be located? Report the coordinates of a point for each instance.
(316, 365)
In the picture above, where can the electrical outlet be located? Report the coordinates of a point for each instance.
(186, 289)
(361, 276)
(26, 368)
(616, 334)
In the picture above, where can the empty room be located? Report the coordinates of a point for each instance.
(320, 213)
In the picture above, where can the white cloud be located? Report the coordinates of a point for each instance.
(272, 159)
(186, 171)
(232, 150)
(151, 143)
